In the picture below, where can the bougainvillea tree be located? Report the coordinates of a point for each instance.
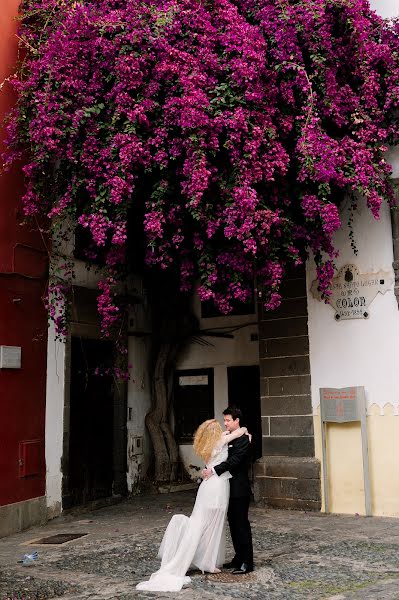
(221, 133)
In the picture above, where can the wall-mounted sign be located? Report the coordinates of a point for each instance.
(193, 380)
(353, 292)
(10, 357)
(341, 405)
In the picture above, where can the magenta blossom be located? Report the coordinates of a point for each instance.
(218, 137)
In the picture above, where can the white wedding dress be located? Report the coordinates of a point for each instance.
(197, 541)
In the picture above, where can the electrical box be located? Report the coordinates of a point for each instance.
(10, 357)
(137, 445)
(30, 458)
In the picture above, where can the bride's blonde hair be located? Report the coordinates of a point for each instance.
(206, 438)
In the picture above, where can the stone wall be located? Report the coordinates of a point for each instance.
(22, 515)
(288, 475)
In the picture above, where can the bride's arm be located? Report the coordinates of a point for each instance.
(226, 438)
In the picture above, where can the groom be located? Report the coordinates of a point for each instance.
(240, 493)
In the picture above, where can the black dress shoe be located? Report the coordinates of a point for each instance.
(243, 570)
(230, 565)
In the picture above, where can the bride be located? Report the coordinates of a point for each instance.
(198, 540)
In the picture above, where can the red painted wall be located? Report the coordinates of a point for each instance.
(23, 275)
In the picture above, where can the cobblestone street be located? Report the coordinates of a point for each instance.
(297, 555)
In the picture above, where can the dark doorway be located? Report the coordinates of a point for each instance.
(89, 468)
(193, 402)
(244, 393)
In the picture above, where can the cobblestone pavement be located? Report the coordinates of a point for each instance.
(298, 556)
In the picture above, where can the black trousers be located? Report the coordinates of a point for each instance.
(240, 530)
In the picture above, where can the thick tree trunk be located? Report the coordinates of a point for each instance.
(173, 450)
(171, 443)
(157, 417)
(173, 325)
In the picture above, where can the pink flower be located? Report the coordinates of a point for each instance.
(216, 139)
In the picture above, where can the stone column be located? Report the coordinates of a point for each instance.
(288, 474)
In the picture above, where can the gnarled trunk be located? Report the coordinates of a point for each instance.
(157, 417)
(173, 326)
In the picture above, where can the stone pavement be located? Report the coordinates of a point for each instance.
(298, 556)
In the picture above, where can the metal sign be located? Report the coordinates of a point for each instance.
(345, 405)
(352, 292)
(340, 405)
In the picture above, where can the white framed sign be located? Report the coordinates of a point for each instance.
(352, 292)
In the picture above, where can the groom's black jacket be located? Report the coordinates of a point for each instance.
(237, 463)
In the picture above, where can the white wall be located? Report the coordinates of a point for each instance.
(359, 352)
(54, 433)
(385, 8)
(223, 353)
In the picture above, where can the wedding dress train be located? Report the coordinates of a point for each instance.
(196, 541)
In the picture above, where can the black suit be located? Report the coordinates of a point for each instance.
(240, 492)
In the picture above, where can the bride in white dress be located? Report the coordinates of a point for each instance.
(198, 540)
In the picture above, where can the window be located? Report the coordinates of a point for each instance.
(193, 402)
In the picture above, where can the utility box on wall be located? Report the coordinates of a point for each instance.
(10, 357)
(30, 458)
(137, 446)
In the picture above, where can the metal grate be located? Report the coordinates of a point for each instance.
(60, 538)
(228, 577)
